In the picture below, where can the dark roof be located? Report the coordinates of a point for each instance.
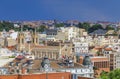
(51, 32)
(98, 32)
(87, 61)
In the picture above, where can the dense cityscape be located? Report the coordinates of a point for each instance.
(52, 49)
(59, 39)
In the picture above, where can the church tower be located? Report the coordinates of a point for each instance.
(21, 41)
(35, 38)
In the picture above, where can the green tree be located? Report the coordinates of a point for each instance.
(84, 25)
(95, 27)
(6, 25)
(115, 74)
(59, 25)
(26, 27)
(16, 28)
(104, 75)
(80, 25)
(98, 53)
(109, 28)
(1, 27)
(41, 28)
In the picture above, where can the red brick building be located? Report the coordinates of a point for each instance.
(84, 78)
(100, 63)
(60, 75)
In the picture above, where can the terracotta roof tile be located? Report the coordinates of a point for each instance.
(108, 49)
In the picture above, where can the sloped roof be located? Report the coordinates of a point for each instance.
(99, 32)
(108, 49)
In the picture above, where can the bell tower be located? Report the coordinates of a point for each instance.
(21, 41)
(35, 39)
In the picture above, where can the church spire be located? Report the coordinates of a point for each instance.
(35, 30)
(21, 28)
(35, 39)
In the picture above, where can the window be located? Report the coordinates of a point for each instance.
(19, 40)
(36, 40)
(22, 41)
(65, 49)
(33, 40)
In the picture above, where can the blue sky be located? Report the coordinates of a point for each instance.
(82, 10)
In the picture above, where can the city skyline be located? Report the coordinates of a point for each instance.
(60, 9)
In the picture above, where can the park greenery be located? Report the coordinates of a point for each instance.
(109, 28)
(115, 74)
(41, 28)
(59, 25)
(89, 28)
(8, 26)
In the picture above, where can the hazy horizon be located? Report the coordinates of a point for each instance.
(82, 10)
